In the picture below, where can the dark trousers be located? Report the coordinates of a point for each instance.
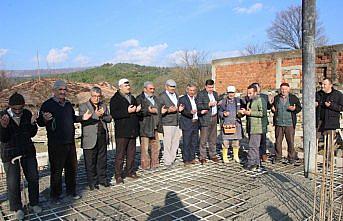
(209, 135)
(125, 147)
(288, 132)
(254, 149)
(29, 166)
(96, 161)
(190, 140)
(263, 144)
(62, 156)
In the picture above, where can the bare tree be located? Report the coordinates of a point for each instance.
(285, 31)
(194, 67)
(254, 48)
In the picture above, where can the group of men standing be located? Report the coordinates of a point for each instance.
(145, 116)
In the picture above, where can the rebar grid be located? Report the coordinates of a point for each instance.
(214, 191)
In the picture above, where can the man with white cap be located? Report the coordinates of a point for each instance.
(170, 108)
(57, 115)
(123, 109)
(231, 123)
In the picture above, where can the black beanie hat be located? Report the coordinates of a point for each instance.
(16, 99)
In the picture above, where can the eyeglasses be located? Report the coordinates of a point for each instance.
(62, 89)
(171, 86)
(151, 88)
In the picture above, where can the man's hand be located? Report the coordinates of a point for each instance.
(193, 112)
(131, 109)
(327, 103)
(172, 109)
(34, 118)
(47, 116)
(226, 113)
(291, 108)
(181, 107)
(4, 120)
(270, 98)
(164, 109)
(99, 112)
(247, 112)
(316, 103)
(204, 111)
(241, 111)
(212, 103)
(87, 115)
(138, 108)
(273, 109)
(152, 110)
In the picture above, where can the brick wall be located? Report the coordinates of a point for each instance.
(274, 68)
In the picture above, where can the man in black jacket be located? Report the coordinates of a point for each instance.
(149, 118)
(17, 126)
(123, 109)
(329, 103)
(207, 104)
(57, 115)
(189, 124)
(285, 107)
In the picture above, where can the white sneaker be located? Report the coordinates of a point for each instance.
(19, 214)
(36, 209)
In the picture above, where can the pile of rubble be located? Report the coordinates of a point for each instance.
(36, 92)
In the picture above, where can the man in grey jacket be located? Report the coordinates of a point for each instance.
(169, 107)
(149, 118)
(95, 139)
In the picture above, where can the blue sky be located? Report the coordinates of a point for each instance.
(74, 33)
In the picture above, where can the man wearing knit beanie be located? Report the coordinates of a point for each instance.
(17, 126)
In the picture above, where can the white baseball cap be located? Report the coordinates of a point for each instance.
(123, 81)
(231, 89)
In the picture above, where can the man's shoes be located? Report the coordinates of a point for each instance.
(93, 187)
(119, 180)
(264, 158)
(187, 163)
(75, 196)
(19, 214)
(203, 161)
(36, 209)
(56, 200)
(133, 176)
(215, 159)
(105, 184)
(250, 167)
(193, 162)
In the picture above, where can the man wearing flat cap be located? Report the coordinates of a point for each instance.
(123, 109)
(170, 109)
(57, 115)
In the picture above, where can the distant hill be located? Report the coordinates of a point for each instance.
(34, 73)
(137, 74)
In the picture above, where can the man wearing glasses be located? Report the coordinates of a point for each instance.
(124, 109)
(148, 121)
(95, 139)
(57, 115)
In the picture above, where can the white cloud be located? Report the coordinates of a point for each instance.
(57, 55)
(130, 51)
(248, 10)
(82, 60)
(3, 51)
(226, 54)
(128, 44)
